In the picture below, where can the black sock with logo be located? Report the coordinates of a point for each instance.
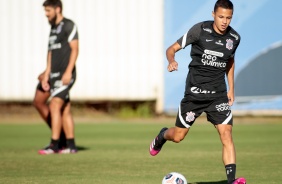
(230, 172)
(54, 145)
(71, 143)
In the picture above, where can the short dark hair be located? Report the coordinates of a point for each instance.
(54, 3)
(226, 4)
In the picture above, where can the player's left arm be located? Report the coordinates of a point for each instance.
(66, 78)
(230, 79)
(74, 46)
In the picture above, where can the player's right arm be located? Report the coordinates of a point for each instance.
(188, 38)
(170, 55)
(44, 83)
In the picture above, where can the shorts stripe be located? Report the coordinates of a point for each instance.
(181, 118)
(226, 121)
(59, 90)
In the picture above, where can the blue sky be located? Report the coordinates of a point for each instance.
(257, 21)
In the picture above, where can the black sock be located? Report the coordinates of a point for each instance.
(54, 145)
(71, 143)
(62, 140)
(230, 172)
(163, 138)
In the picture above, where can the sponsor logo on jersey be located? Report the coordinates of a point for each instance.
(190, 116)
(214, 53)
(219, 42)
(55, 46)
(210, 57)
(52, 39)
(235, 36)
(222, 107)
(58, 83)
(53, 75)
(52, 43)
(229, 44)
(197, 90)
(207, 30)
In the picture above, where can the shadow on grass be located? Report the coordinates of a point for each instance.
(82, 148)
(211, 182)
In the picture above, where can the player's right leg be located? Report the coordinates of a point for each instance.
(55, 107)
(40, 103)
(185, 119)
(174, 134)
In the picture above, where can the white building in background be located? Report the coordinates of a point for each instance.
(121, 49)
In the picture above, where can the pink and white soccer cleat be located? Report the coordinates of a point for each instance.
(239, 181)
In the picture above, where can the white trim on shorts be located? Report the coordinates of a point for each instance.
(226, 121)
(60, 89)
(181, 118)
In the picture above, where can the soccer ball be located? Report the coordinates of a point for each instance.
(174, 178)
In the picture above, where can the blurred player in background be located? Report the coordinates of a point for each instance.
(60, 75)
(40, 102)
(214, 44)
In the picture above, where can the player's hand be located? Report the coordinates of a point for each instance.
(173, 66)
(66, 78)
(45, 85)
(231, 98)
(41, 76)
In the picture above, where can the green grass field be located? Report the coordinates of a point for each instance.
(117, 153)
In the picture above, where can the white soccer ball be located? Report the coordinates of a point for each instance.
(174, 178)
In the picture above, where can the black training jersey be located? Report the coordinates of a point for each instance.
(59, 39)
(210, 54)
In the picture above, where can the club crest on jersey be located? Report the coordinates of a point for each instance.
(190, 116)
(229, 44)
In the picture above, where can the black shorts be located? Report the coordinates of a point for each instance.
(218, 112)
(57, 89)
(39, 87)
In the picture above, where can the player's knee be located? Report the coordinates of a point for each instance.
(178, 138)
(226, 137)
(56, 105)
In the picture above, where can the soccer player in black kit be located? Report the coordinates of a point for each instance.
(60, 75)
(214, 44)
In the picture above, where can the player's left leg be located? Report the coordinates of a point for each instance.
(228, 150)
(68, 126)
(228, 153)
(220, 115)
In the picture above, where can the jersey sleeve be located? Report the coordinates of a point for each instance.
(191, 36)
(238, 42)
(71, 31)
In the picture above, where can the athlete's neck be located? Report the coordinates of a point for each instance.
(59, 19)
(217, 30)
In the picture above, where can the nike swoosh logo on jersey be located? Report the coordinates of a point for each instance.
(207, 40)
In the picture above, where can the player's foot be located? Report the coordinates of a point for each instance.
(158, 143)
(239, 181)
(62, 144)
(47, 151)
(68, 151)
